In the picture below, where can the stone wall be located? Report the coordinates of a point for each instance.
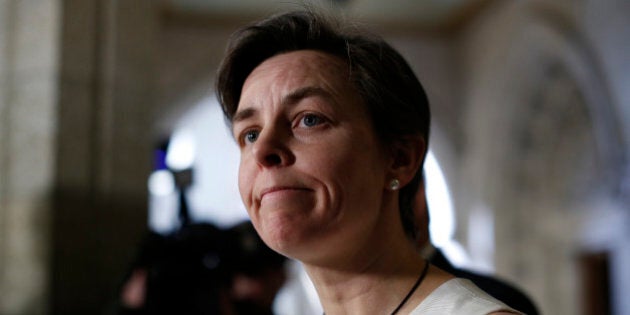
(104, 149)
(546, 155)
(29, 32)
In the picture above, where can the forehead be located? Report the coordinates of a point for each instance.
(301, 68)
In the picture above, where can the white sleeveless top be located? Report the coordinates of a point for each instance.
(460, 297)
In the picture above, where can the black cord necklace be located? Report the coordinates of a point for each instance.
(413, 289)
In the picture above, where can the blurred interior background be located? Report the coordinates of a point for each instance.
(530, 169)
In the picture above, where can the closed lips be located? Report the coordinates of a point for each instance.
(280, 188)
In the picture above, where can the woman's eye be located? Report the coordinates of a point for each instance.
(251, 136)
(311, 120)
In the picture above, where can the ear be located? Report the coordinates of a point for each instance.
(407, 155)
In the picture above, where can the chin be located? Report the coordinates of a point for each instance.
(304, 244)
(282, 239)
(288, 240)
(290, 231)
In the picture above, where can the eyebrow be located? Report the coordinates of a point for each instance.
(243, 114)
(304, 92)
(289, 99)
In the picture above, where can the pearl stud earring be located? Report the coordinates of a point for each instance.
(394, 184)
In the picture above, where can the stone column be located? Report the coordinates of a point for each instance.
(28, 66)
(104, 148)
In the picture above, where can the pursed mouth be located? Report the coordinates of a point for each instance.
(280, 189)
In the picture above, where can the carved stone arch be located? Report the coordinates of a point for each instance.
(546, 141)
(567, 62)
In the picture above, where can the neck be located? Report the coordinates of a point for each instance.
(379, 279)
(372, 271)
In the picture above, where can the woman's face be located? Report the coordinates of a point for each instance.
(312, 172)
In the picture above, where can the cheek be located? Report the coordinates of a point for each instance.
(245, 183)
(355, 162)
(359, 178)
(352, 176)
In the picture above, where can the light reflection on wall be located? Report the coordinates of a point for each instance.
(202, 141)
(442, 224)
(162, 202)
(441, 213)
(182, 150)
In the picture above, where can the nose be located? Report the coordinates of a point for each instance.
(271, 149)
